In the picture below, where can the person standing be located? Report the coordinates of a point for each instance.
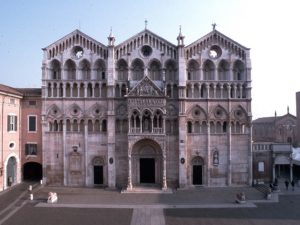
(293, 184)
(286, 182)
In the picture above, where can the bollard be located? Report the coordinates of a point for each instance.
(30, 188)
(31, 197)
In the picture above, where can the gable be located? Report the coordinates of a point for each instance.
(146, 87)
(75, 38)
(217, 38)
(143, 38)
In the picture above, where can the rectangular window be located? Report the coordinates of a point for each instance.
(31, 123)
(261, 167)
(30, 149)
(11, 123)
(32, 103)
(12, 101)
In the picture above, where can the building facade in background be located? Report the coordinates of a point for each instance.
(10, 149)
(31, 134)
(146, 111)
(273, 139)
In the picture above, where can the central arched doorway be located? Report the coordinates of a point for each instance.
(11, 171)
(32, 171)
(147, 163)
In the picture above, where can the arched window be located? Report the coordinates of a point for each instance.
(137, 69)
(55, 70)
(193, 70)
(208, 70)
(223, 70)
(70, 69)
(85, 69)
(155, 71)
(239, 71)
(104, 126)
(99, 68)
(122, 70)
(171, 71)
(189, 127)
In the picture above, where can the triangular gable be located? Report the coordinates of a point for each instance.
(146, 34)
(146, 87)
(75, 38)
(216, 37)
(287, 116)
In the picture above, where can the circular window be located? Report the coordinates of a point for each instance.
(97, 111)
(218, 113)
(78, 52)
(11, 145)
(146, 50)
(215, 52)
(75, 111)
(238, 113)
(196, 113)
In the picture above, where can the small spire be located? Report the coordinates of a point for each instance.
(111, 34)
(214, 26)
(111, 38)
(146, 23)
(275, 114)
(180, 37)
(288, 110)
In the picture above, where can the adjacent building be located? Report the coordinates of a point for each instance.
(273, 139)
(146, 112)
(10, 149)
(31, 134)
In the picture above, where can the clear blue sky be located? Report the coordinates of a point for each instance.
(268, 27)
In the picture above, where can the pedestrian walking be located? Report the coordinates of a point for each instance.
(286, 182)
(293, 184)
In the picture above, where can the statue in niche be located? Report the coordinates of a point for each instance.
(216, 158)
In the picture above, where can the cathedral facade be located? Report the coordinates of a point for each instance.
(146, 112)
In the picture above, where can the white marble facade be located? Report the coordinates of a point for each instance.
(146, 112)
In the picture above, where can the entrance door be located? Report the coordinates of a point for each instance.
(98, 174)
(197, 174)
(147, 170)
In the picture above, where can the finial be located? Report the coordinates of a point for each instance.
(180, 37)
(275, 113)
(214, 26)
(288, 110)
(111, 38)
(110, 34)
(146, 23)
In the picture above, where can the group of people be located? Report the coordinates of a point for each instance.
(274, 186)
(286, 182)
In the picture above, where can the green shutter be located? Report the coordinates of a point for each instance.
(16, 123)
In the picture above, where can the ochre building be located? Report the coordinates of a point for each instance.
(146, 112)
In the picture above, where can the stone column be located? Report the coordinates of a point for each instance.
(164, 169)
(250, 170)
(274, 172)
(229, 172)
(208, 154)
(152, 123)
(65, 169)
(141, 124)
(86, 152)
(129, 185)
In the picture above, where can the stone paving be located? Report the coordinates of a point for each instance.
(147, 208)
